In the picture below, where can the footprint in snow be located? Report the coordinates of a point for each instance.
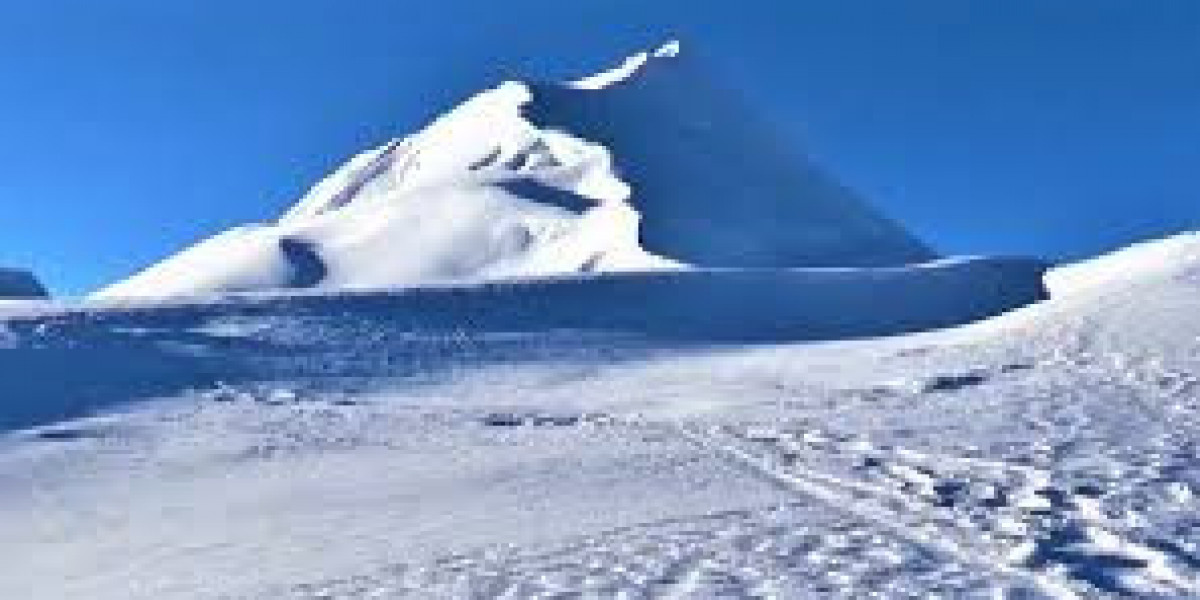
(532, 420)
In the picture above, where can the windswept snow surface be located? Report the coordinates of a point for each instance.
(644, 167)
(361, 445)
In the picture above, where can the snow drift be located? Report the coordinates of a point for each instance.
(645, 167)
(151, 349)
(20, 285)
(1175, 256)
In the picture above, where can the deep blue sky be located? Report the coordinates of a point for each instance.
(129, 128)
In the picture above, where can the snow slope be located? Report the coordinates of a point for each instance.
(362, 445)
(1145, 261)
(20, 284)
(128, 354)
(645, 167)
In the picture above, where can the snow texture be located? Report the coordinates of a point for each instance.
(496, 441)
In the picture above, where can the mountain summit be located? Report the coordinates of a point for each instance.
(646, 166)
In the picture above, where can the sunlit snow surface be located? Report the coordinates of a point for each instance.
(346, 446)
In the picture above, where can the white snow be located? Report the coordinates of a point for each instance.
(479, 194)
(535, 438)
(604, 79)
(627, 69)
(668, 50)
(1142, 261)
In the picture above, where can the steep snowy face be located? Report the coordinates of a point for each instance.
(485, 141)
(645, 166)
(716, 186)
(479, 194)
(20, 285)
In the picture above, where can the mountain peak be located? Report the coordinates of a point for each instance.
(647, 166)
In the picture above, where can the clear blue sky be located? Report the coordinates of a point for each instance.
(130, 128)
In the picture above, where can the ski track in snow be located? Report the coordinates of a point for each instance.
(910, 525)
(1007, 519)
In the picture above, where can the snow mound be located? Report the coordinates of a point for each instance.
(1142, 295)
(644, 167)
(1171, 256)
(20, 284)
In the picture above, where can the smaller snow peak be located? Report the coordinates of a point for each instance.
(629, 68)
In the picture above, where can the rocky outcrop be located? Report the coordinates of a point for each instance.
(15, 283)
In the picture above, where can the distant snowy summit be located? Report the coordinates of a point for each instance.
(21, 285)
(643, 167)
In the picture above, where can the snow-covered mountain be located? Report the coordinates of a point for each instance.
(647, 166)
(719, 375)
(20, 284)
